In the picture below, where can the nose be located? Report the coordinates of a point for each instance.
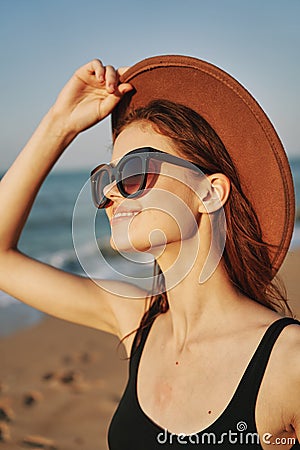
(111, 191)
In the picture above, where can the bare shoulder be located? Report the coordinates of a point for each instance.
(288, 347)
(289, 343)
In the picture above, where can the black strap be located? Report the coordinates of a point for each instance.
(254, 373)
(137, 347)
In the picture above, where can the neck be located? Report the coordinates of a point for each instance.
(194, 306)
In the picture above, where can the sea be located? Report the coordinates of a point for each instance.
(66, 231)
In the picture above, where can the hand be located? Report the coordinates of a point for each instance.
(89, 96)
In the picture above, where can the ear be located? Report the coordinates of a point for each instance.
(216, 194)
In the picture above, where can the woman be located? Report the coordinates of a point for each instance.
(208, 319)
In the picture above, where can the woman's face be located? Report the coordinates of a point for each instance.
(166, 213)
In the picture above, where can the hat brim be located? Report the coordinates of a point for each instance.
(240, 122)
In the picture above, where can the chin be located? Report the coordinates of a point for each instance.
(123, 241)
(147, 236)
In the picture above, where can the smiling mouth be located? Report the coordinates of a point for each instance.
(122, 215)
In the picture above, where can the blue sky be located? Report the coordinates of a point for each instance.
(42, 42)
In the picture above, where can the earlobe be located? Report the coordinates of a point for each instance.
(216, 194)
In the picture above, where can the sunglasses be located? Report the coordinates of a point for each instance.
(135, 172)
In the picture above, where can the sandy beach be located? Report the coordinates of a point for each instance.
(60, 383)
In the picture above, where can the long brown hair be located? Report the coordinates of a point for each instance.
(246, 256)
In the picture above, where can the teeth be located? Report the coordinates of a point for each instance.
(127, 214)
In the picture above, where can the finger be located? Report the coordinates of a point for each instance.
(97, 69)
(92, 68)
(112, 100)
(122, 70)
(111, 79)
(123, 88)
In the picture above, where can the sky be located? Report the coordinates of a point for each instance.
(43, 42)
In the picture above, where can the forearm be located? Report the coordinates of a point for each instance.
(21, 183)
(88, 97)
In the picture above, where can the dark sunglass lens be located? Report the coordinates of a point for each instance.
(152, 172)
(132, 175)
(100, 182)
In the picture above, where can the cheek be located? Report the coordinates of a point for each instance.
(157, 227)
(154, 227)
(178, 208)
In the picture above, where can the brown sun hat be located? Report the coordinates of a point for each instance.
(242, 125)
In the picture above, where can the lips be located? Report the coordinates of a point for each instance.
(119, 213)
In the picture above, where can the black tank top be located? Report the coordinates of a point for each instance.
(132, 429)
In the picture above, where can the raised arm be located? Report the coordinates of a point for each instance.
(87, 98)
